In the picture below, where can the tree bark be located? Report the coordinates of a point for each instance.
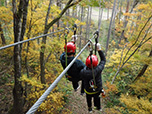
(135, 2)
(120, 11)
(27, 51)
(114, 17)
(108, 13)
(87, 24)
(100, 16)
(82, 10)
(2, 35)
(90, 13)
(59, 5)
(42, 61)
(125, 23)
(47, 27)
(143, 70)
(110, 26)
(19, 21)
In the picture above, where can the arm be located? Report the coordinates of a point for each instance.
(102, 56)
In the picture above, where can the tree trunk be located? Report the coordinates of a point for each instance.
(135, 2)
(100, 16)
(82, 11)
(115, 13)
(143, 70)
(120, 11)
(90, 13)
(26, 57)
(42, 61)
(6, 3)
(47, 27)
(19, 20)
(125, 23)
(108, 13)
(59, 5)
(2, 35)
(110, 26)
(87, 24)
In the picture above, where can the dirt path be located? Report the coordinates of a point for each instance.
(77, 105)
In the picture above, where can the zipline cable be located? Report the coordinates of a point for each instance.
(47, 92)
(20, 42)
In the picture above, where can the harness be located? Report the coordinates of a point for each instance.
(93, 82)
(66, 34)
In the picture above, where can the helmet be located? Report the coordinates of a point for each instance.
(94, 61)
(70, 47)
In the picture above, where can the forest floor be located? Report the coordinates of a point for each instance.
(77, 104)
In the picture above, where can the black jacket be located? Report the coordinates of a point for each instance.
(87, 76)
(74, 71)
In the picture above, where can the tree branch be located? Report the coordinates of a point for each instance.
(137, 37)
(141, 43)
(143, 69)
(68, 5)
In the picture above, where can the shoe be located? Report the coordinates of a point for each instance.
(77, 88)
(90, 110)
(99, 109)
(82, 94)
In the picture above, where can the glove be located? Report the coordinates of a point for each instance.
(103, 93)
(74, 38)
(98, 47)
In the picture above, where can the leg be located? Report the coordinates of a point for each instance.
(82, 87)
(97, 101)
(89, 103)
(89, 98)
(75, 85)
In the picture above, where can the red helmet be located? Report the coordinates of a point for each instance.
(94, 61)
(70, 47)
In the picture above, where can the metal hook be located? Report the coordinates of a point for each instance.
(97, 33)
(96, 40)
(91, 47)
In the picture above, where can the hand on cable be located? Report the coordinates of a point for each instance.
(74, 38)
(98, 47)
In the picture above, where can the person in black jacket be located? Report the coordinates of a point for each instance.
(91, 75)
(73, 74)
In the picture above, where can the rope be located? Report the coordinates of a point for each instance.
(91, 52)
(66, 34)
(20, 42)
(47, 92)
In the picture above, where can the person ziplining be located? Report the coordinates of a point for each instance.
(90, 73)
(66, 57)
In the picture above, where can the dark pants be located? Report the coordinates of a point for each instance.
(96, 99)
(76, 84)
